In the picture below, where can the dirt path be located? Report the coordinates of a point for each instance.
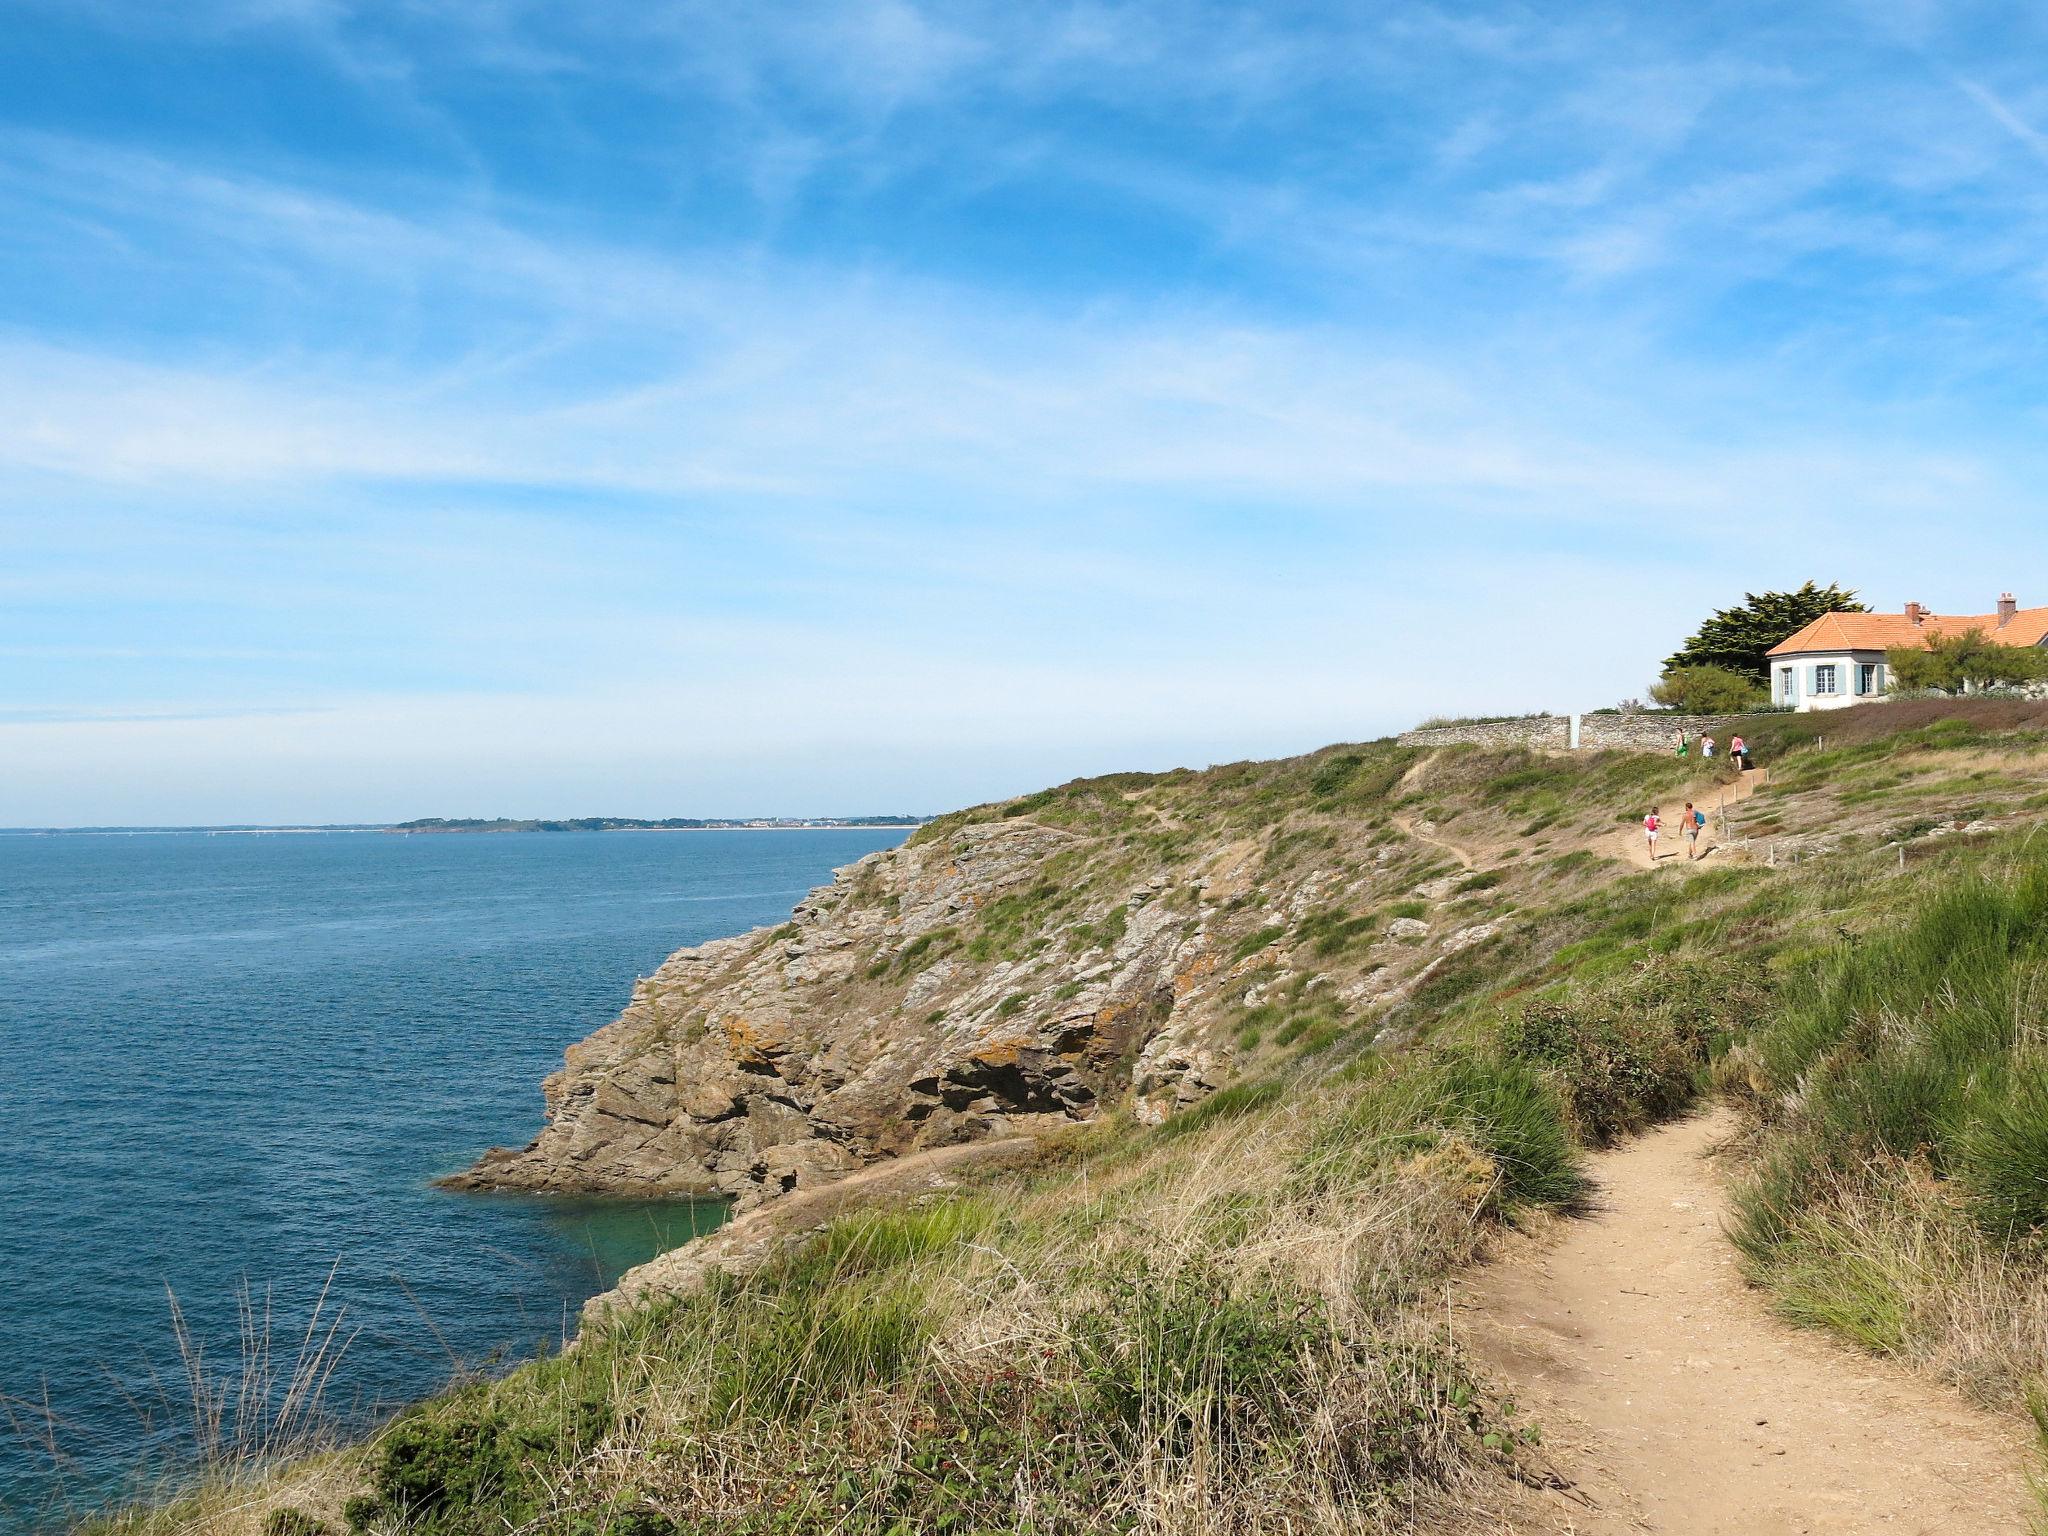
(1425, 831)
(1679, 1405)
(1671, 845)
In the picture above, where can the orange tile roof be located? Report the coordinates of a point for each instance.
(1883, 631)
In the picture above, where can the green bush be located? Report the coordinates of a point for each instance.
(1634, 1051)
(1901, 1066)
(463, 1466)
(1332, 931)
(1709, 691)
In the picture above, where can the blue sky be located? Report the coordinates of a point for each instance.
(490, 407)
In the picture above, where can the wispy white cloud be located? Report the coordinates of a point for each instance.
(2029, 138)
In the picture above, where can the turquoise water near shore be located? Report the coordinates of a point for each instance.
(244, 1057)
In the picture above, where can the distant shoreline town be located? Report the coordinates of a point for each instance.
(445, 824)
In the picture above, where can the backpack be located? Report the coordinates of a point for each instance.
(1699, 818)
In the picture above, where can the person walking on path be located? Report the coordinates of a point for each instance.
(1706, 746)
(1684, 746)
(1651, 823)
(1739, 750)
(1695, 823)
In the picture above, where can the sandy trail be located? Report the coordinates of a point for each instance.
(1679, 1405)
(1409, 827)
(1441, 844)
(1714, 799)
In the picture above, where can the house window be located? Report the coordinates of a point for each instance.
(1824, 678)
(1787, 689)
(1866, 677)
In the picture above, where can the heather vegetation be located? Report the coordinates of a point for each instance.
(1234, 1320)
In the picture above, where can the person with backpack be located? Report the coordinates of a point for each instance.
(1739, 750)
(1695, 822)
(1651, 823)
(1684, 746)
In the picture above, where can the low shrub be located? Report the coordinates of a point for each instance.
(1636, 1050)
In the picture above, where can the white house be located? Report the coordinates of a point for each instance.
(1838, 659)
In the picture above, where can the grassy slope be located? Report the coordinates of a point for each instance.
(1226, 1322)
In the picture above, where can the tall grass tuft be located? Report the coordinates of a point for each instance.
(1899, 1195)
(264, 1406)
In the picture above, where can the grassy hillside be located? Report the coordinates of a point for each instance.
(1233, 1320)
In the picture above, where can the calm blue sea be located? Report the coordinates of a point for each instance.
(243, 1057)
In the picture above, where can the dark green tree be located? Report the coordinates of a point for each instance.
(1737, 639)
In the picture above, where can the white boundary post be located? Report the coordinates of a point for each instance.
(1575, 731)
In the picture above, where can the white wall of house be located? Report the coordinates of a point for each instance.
(1828, 679)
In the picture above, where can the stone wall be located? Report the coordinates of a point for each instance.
(1540, 732)
(1648, 731)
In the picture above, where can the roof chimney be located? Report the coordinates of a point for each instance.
(1915, 612)
(2006, 609)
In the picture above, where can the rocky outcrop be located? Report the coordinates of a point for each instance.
(996, 976)
(882, 1019)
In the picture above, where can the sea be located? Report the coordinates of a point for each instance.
(231, 1066)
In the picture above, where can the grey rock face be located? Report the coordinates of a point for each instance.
(862, 1029)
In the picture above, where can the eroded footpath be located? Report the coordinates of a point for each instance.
(1676, 1403)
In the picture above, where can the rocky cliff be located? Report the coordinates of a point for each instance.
(1133, 939)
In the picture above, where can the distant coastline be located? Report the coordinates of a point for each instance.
(441, 825)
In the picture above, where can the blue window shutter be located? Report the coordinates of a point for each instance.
(1879, 675)
(1813, 678)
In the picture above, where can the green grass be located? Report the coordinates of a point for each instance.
(1334, 930)
(1902, 1062)
(1502, 1108)
(1255, 941)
